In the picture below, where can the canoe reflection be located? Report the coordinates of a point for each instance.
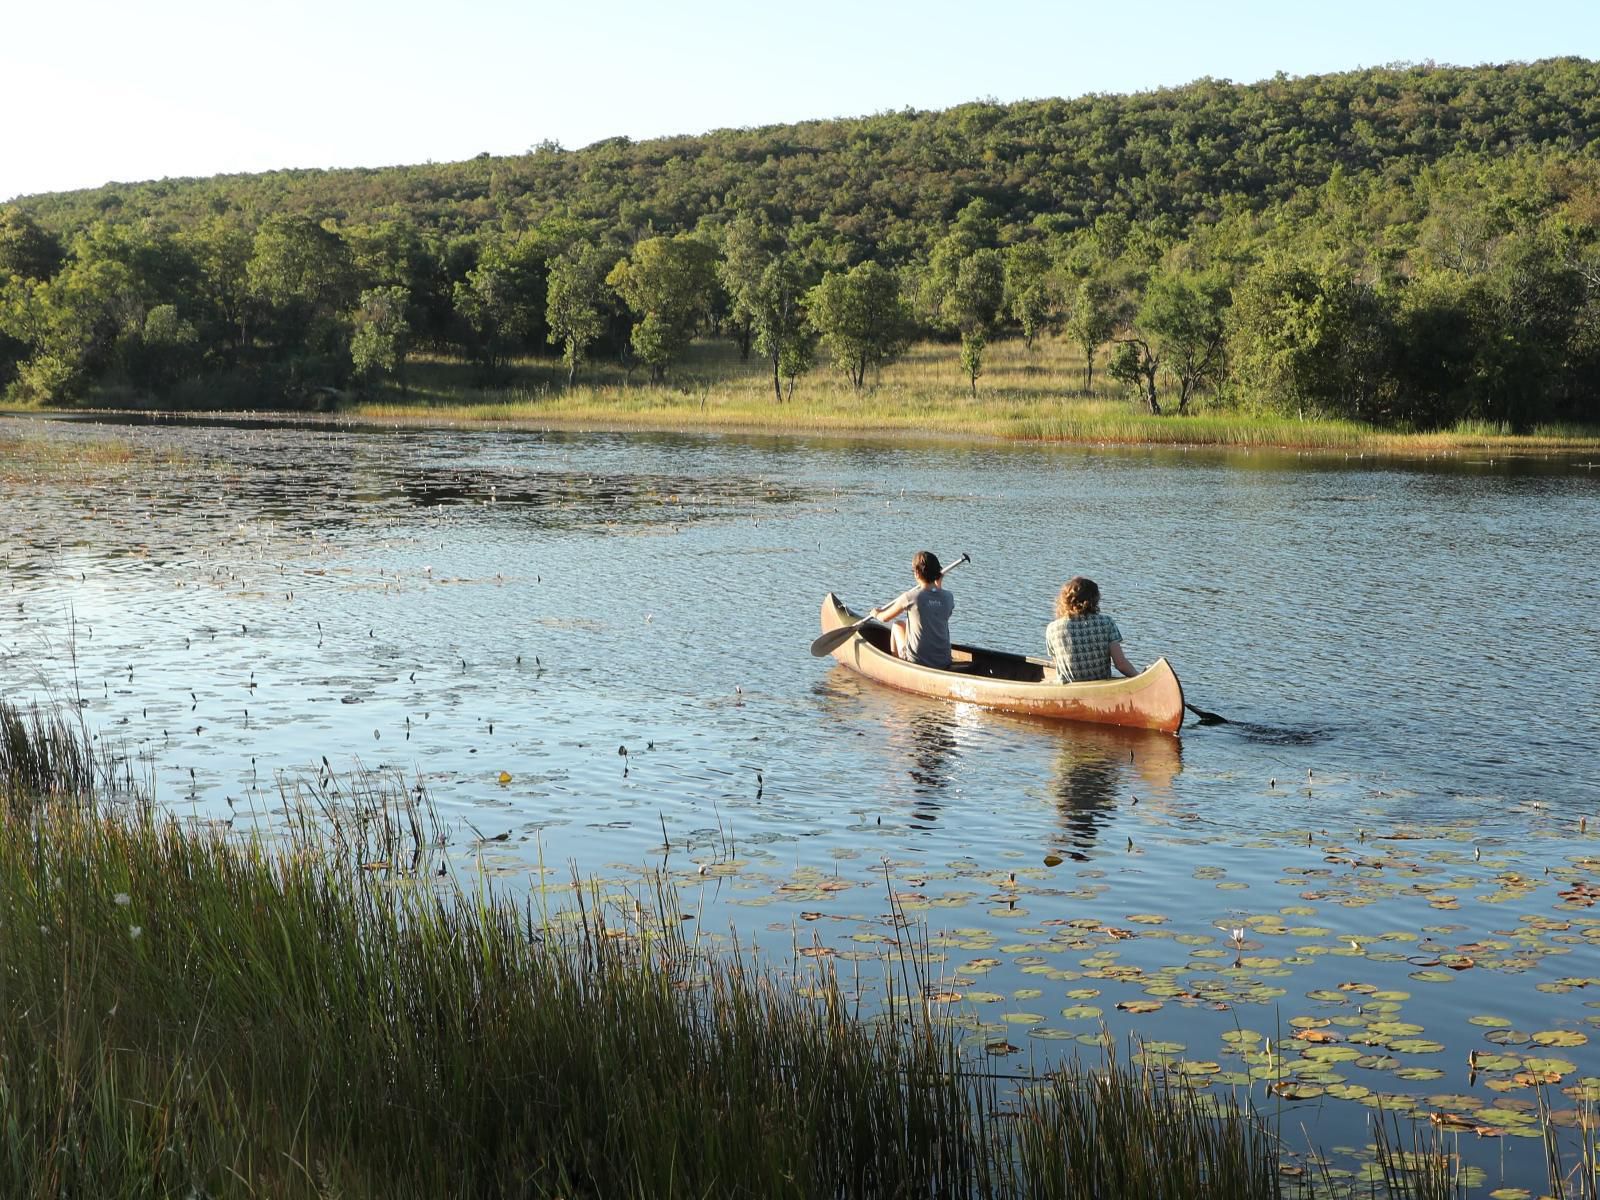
(1092, 768)
(1100, 767)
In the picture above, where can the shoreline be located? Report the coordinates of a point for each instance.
(1320, 438)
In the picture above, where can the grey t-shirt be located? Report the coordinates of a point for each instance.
(928, 624)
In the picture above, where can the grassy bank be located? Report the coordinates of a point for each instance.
(1034, 395)
(189, 1011)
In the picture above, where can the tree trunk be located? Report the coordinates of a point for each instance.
(777, 390)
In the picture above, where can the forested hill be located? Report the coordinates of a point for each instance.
(886, 186)
(1409, 246)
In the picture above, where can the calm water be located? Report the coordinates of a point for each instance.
(1401, 818)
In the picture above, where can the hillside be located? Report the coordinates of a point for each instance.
(887, 184)
(1408, 246)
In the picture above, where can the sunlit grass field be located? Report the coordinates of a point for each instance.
(1023, 394)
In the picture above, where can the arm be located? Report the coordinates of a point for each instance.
(1120, 660)
(890, 610)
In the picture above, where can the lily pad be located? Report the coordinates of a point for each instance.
(1560, 1037)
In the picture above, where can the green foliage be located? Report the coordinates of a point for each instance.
(1183, 315)
(501, 301)
(972, 345)
(1032, 291)
(668, 284)
(576, 304)
(165, 351)
(26, 249)
(380, 340)
(861, 318)
(1407, 245)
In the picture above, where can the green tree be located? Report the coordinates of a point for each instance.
(861, 317)
(775, 304)
(798, 356)
(221, 250)
(301, 272)
(165, 352)
(1185, 316)
(1092, 321)
(964, 291)
(575, 309)
(667, 283)
(380, 339)
(1305, 338)
(26, 250)
(302, 287)
(1033, 296)
(501, 302)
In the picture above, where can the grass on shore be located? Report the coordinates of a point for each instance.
(1023, 395)
(194, 1012)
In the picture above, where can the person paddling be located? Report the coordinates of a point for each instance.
(1083, 641)
(924, 636)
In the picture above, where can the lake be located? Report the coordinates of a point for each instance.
(1374, 885)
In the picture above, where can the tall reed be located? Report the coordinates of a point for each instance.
(318, 1012)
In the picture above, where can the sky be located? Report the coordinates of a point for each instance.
(96, 91)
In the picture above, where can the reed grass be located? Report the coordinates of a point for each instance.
(199, 1012)
(1025, 394)
(44, 755)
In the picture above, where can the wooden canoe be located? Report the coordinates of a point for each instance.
(1013, 683)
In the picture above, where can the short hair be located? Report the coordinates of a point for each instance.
(1078, 596)
(926, 566)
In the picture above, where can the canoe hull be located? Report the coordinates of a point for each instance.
(1012, 683)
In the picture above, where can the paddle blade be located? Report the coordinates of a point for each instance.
(833, 639)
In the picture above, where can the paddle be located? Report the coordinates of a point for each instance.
(1207, 718)
(834, 638)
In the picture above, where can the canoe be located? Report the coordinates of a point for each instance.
(1013, 683)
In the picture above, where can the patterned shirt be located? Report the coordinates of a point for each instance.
(1081, 646)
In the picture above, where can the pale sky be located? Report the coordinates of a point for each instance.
(93, 91)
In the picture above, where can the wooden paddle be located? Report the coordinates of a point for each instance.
(834, 638)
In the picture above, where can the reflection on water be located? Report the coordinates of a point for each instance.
(1095, 767)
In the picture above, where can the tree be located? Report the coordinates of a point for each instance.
(798, 356)
(1184, 314)
(502, 300)
(381, 337)
(776, 305)
(1300, 337)
(964, 291)
(748, 246)
(1092, 321)
(861, 318)
(575, 310)
(165, 351)
(667, 283)
(221, 250)
(1033, 297)
(26, 250)
(301, 272)
(74, 326)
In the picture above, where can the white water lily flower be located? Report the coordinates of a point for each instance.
(123, 899)
(135, 931)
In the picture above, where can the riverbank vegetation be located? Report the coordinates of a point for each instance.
(1405, 248)
(192, 1009)
(712, 390)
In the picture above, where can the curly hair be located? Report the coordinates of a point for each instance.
(1078, 596)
